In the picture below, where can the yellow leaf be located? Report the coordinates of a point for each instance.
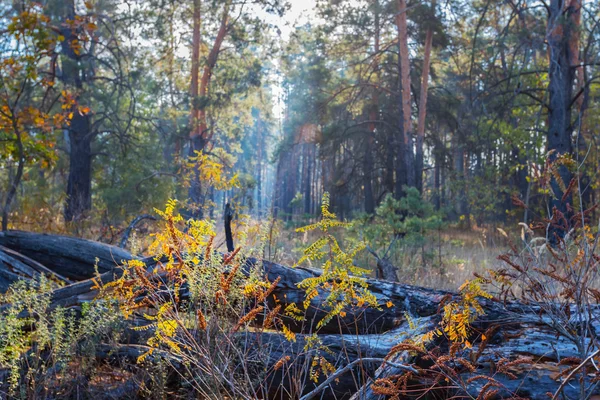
(389, 304)
(289, 335)
(61, 38)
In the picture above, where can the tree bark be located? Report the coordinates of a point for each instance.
(308, 162)
(15, 266)
(199, 133)
(211, 62)
(197, 141)
(368, 176)
(373, 117)
(79, 183)
(15, 181)
(194, 87)
(259, 166)
(405, 171)
(70, 257)
(423, 109)
(560, 36)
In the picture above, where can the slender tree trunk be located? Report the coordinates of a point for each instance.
(277, 202)
(79, 184)
(404, 68)
(574, 13)
(368, 174)
(308, 182)
(197, 141)
(423, 109)
(317, 180)
(293, 182)
(464, 200)
(368, 177)
(79, 181)
(582, 92)
(14, 181)
(199, 132)
(458, 195)
(208, 71)
(404, 175)
(390, 151)
(438, 159)
(373, 116)
(194, 88)
(259, 168)
(561, 74)
(443, 172)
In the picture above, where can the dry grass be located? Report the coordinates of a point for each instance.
(449, 258)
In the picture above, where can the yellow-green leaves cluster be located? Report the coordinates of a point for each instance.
(341, 285)
(459, 315)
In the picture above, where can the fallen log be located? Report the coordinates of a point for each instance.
(519, 330)
(15, 266)
(76, 259)
(537, 373)
(70, 257)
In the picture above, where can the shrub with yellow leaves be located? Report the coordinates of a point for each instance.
(195, 306)
(341, 282)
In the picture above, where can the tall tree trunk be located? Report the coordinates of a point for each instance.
(79, 183)
(405, 171)
(373, 117)
(443, 173)
(368, 176)
(208, 71)
(195, 85)
(308, 183)
(14, 181)
(459, 194)
(390, 149)
(199, 132)
(423, 109)
(259, 168)
(436, 183)
(292, 184)
(197, 142)
(438, 156)
(277, 202)
(560, 34)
